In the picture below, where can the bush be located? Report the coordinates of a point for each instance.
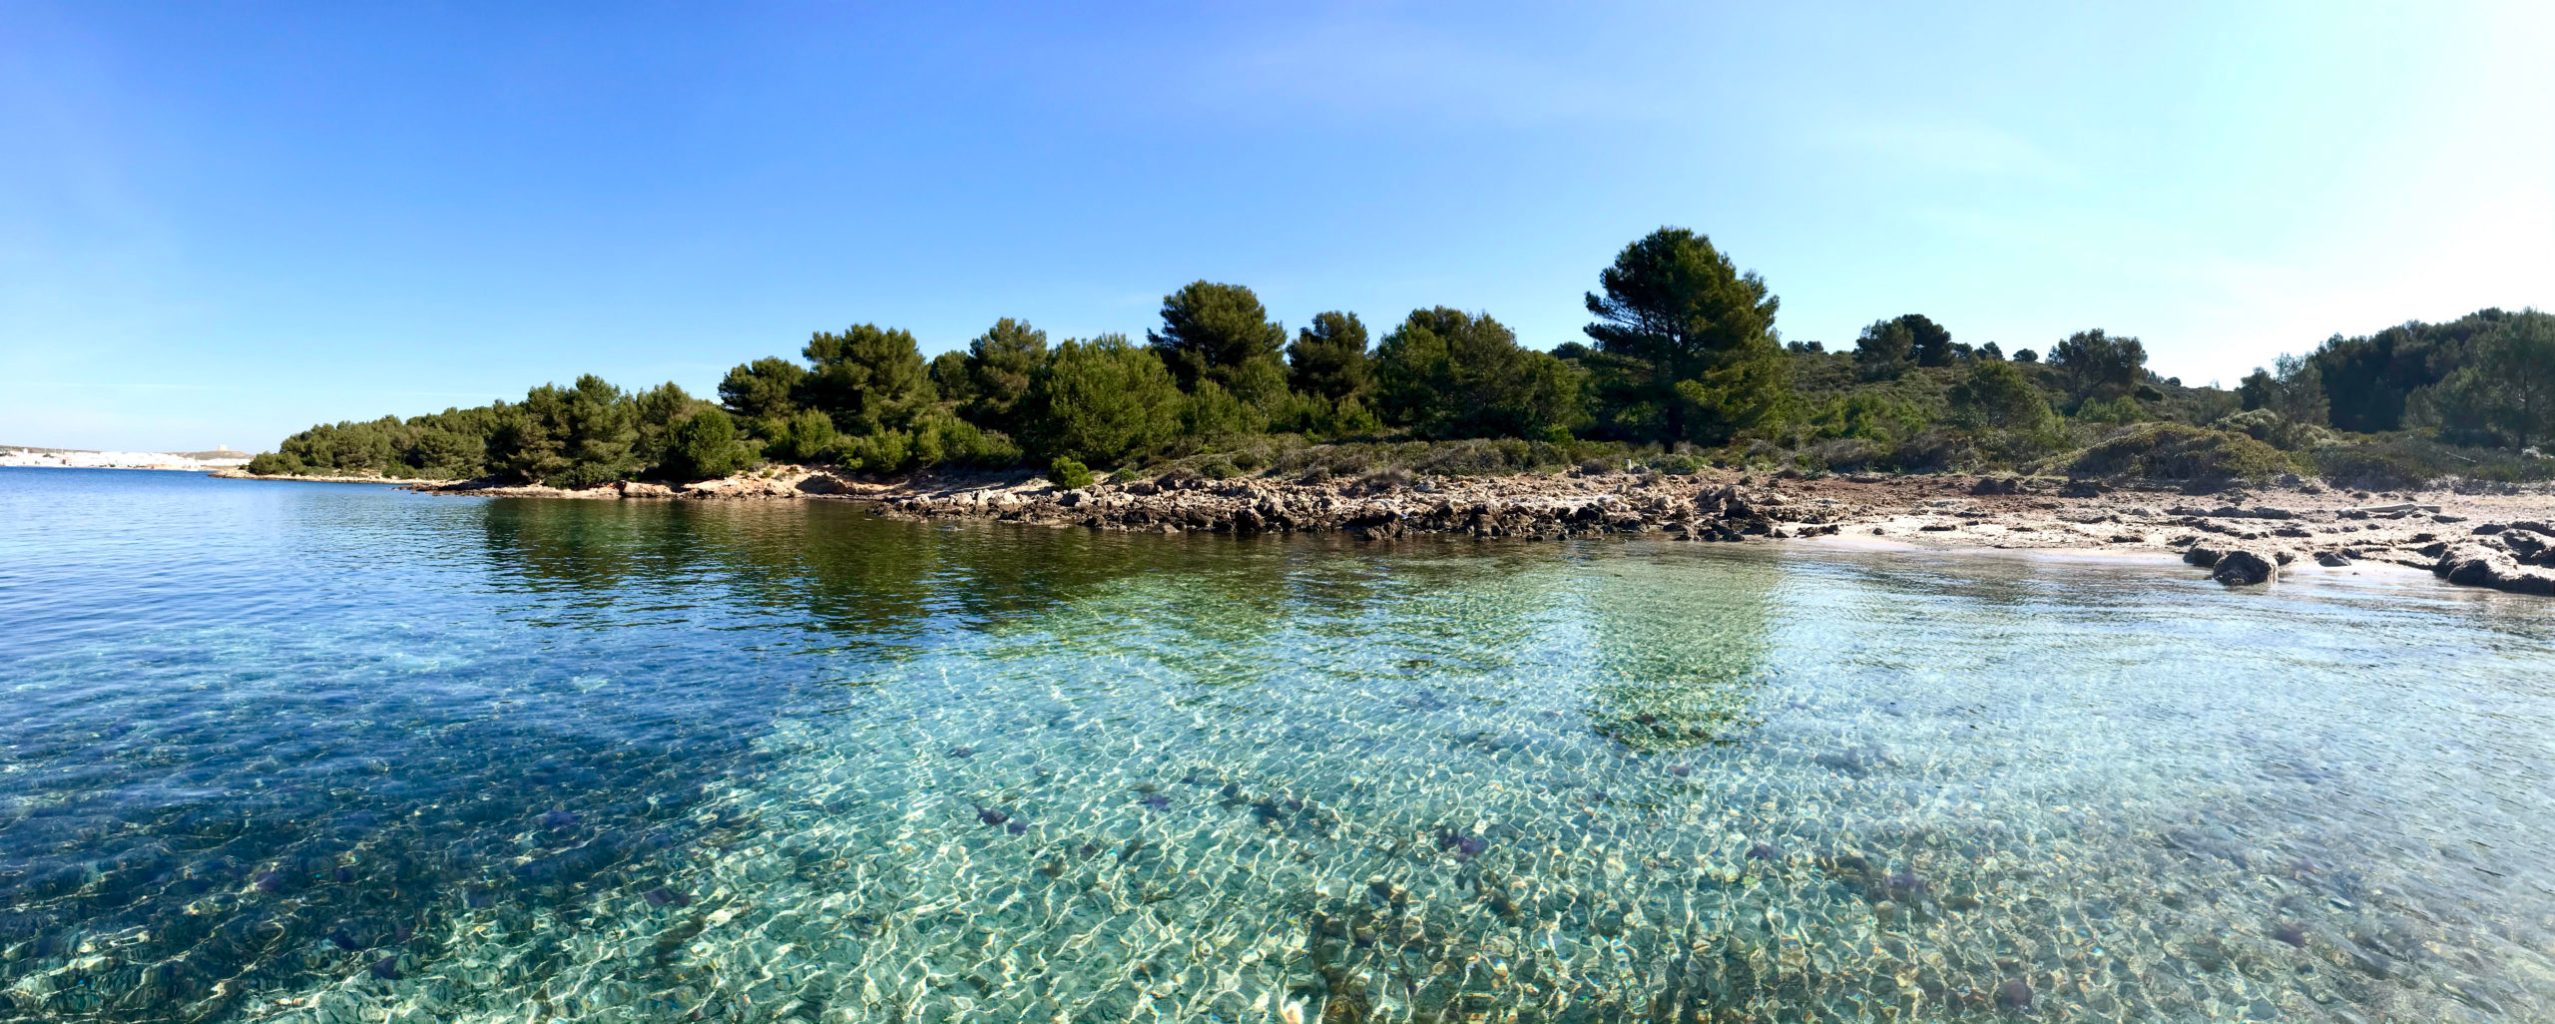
(2271, 428)
(1994, 396)
(1213, 412)
(2114, 411)
(276, 464)
(807, 436)
(2375, 468)
(706, 447)
(1868, 416)
(887, 451)
(1677, 464)
(1446, 373)
(1069, 474)
(2172, 451)
(941, 438)
(2406, 461)
(1103, 401)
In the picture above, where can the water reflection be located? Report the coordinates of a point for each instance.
(423, 759)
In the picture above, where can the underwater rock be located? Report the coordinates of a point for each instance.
(1464, 845)
(991, 816)
(2014, 995)
(1856, 762)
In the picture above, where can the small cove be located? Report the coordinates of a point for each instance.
(301, 752)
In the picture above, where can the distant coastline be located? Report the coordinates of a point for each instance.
(79, 458)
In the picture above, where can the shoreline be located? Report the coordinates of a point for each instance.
(242, 474)
(158, 468)
(2241, 535)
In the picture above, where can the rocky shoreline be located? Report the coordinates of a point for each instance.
(2242, 536)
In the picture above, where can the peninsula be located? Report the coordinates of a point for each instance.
(1683, 413)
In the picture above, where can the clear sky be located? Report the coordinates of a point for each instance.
(223, 222)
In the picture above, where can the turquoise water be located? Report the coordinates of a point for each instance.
(288, 752)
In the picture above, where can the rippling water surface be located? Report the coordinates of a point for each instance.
(285, 752)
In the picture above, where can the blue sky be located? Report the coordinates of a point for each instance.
(223, 222)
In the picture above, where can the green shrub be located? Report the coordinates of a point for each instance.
(1069, 474)
(1103, 400)
(2269, 427)
(2404, 461)
(706, 447)
(806, 436)
(941, 438)
(2173, 451)
(1994, 396)
(1868, 416)
(2115, 411)
(886, 451)
(1677, 464)
(276, 464)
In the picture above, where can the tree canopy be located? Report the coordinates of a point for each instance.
(1102, 400)
(999, 364)
(1681, 357)
(1671, 309)
(1220, 334)
(2094, 364)
(1448, 373)
(1328, 358)
(868, 379)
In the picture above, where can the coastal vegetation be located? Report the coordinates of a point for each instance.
(1681, 366)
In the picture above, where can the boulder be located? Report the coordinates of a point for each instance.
(2332, 559)
(2244, 567)
(2202, 555)
(2483, 565)
(2526, 546)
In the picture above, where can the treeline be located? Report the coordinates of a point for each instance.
(1682, 359)
(2487, 378)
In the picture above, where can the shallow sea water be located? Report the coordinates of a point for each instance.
(285, 752)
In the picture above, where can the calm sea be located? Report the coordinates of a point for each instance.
(302, 752)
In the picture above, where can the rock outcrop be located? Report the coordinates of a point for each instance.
(2519, 558)
(1548, 509)
(2242, 567)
